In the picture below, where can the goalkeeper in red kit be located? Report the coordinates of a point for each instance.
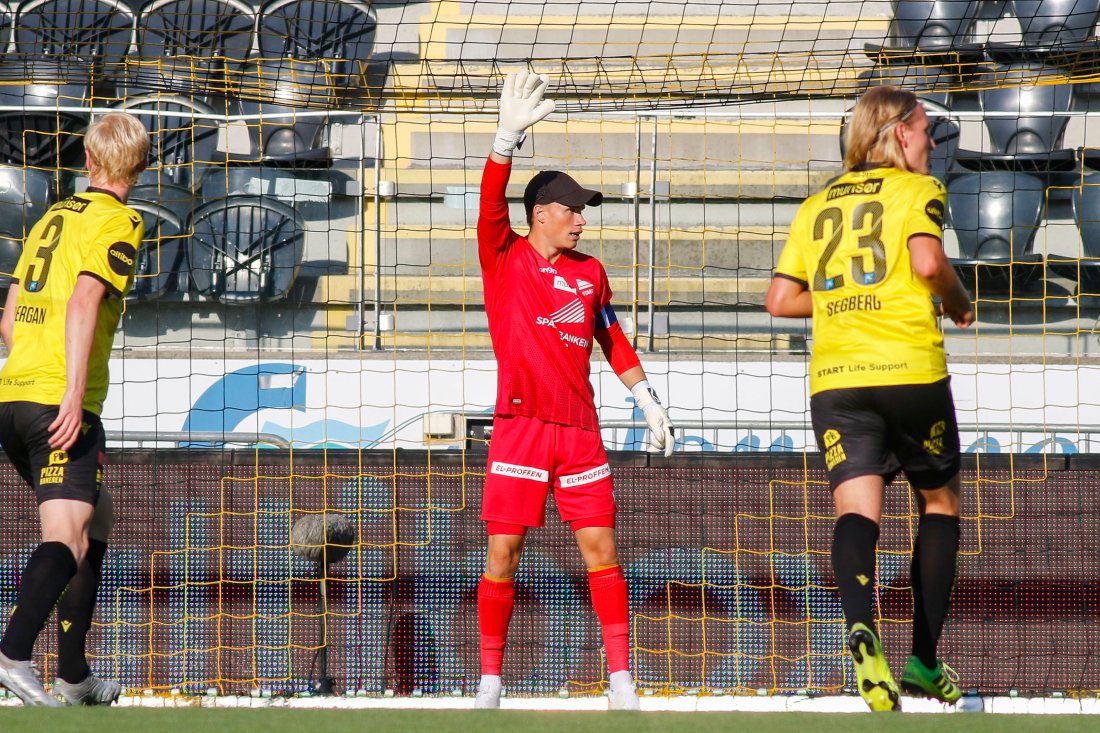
(546, 304)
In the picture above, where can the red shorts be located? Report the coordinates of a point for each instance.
(527, 455)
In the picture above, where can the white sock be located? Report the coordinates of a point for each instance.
(620, 679)
(490, 682)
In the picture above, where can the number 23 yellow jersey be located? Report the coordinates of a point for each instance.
(874, 322)
(90, 233)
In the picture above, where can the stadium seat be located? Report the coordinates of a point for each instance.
(245, 249)
(336, 33)
(1024, 133)
(25, 195)
(1025, 136)
(308, 191)
(191, 46)
(39, 135)
(1085, 269)
(84, 36)
(934, 24)
(289, 132)
(995, 215)
(1051, 22)
(945, 133)
(59, 49)
(309, 53)
(7, 17)
(10, 249)
(184, 136)
(929, 82)
(162, 250)
(1008, 191)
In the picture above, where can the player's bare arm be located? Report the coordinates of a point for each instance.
(80, 322)
(788, 298)
(7, 320)
(934, 269)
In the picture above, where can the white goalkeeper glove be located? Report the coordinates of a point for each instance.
(661, 439)
(521, 105)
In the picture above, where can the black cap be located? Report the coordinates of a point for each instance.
(551, 187)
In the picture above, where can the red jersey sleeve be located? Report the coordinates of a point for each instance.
(617, 348)
(494, 232)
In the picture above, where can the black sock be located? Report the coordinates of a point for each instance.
(48, 571)
(854, 540)
(933, 577)
(74, 615)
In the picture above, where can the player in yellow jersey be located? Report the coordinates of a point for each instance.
(864, 258)
(58, 324)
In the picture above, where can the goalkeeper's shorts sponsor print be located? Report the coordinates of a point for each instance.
(528, 456)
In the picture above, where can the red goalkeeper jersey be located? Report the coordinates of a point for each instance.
(542, 317)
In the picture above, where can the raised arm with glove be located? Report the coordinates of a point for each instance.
(521, 105)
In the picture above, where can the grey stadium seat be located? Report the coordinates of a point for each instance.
(996, 210)
(1085, 270)
(1027, 130)
(245, 249)
(310, 52)
(162, 250)
(1025, 136)
(995, 215)
(338, 33)
(184, 138)
(58, 50)
(7, 18)
(90, 35)
(190, 45)
(931, 24)
(1050, 22)
(184, 135)
(39, 135)
(25, 195)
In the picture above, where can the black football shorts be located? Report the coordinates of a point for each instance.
(73, 474)
(865, 431)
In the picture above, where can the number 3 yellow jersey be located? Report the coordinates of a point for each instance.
(874, 322)
(92, 233)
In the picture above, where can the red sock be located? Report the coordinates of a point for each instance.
(495, 599)
(609, 599)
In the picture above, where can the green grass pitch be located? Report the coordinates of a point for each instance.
(276, 720)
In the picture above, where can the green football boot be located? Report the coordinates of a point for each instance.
(876, 684)
(938, 684)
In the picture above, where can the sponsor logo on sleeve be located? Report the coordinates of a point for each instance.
(122, 256)
(934, 210)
